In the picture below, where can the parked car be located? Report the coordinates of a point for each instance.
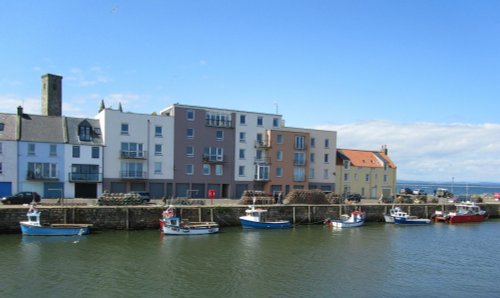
(406, 191)
(144, 195)
(419, 192)
(24, 197)
(354, 197)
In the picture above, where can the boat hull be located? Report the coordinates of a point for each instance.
(68, 230)
(466, 218)
(342, 224)
(416, 221)
(174, 230)
(265, 225)
(389, 219)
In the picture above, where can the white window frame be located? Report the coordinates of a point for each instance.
(158, 152)
(160, 132)
(189, 169)
(124, 129)
(219, 170)
(206, 169)
(158, 167)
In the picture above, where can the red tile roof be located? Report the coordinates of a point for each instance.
(369, 159)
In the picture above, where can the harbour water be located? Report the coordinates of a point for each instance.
(377, 260)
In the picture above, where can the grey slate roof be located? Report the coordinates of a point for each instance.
(47, 129)
(9, 132)
(72, 131)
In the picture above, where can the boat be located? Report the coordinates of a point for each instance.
(356, 219)
(33, 227)
(255, 218)
(394, 211)
(464, 212)
(171, 224)
(406, 219)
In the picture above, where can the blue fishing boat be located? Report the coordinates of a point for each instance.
(404, 218)
(33, 227)
(255, 218)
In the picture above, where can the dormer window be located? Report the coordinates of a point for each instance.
(2, 126)
(85, 132)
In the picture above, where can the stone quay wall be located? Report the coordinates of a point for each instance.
(147, 217)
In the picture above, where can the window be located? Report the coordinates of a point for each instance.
(213, 154)
(242, 153)
(39, 170)
(218, 120)
(53, 150)
(76, 151)
(190, 133)
(190, 151)
(95, 152)
(346, 177)
(259, 138)
(241, 171)
(312, 156)
(243, 119)
(206, 169)
(327, 143)
(1, 168)
(158, 149)
(190, 115)
(367, 177)
(300, 142)
(2, 126)
(157, 167)
(279, 139)
(279, 155)
(261, 172)
(0, 147)
(313, 142)
(279, 172)
(132, 170)
(124, 130)
(31, 149)
(347, 164)
(243, 137)
(276, 122)
(189, 169)
(218, 170)
(325, 174)
(219, 135)
(84, 133)
(132, 150)
(298, 174)
(258, 155)
(158, 131)
(299, 158)
(385, 178)
(326, 158)
(260, 121)
(311, 173)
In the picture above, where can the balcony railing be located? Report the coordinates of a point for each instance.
(85, 177)
(262, 160)
(133, 174)
(219, 123)
(213, 158)
(299, 162)
(39, 176)
(261, 178)
(262, 144)
(133, 154)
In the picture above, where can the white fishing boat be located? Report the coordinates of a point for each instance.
(356, 219)
(170, 224)
(393, 212)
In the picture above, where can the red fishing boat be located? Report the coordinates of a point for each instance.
(465, 212)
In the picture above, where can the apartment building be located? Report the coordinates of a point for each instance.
(203, 152)
(138, 152)
(372, 174)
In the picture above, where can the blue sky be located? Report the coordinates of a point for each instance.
(422, 77)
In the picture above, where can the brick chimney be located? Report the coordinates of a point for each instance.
(51, 95)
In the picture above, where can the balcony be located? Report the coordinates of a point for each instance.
(133, 154)
(213, 158)
(261, 178)
(133, 175)
(299, 162)
(263, 144)
(85, 177)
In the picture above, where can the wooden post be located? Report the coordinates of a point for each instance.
(293, 214)
(309, 213)
(211, 214)
(199, 214)
(127, 220)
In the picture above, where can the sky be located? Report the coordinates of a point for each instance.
(422, 77)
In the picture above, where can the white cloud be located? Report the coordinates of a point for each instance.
(82, 78)
(430, 151)
(9, 104)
